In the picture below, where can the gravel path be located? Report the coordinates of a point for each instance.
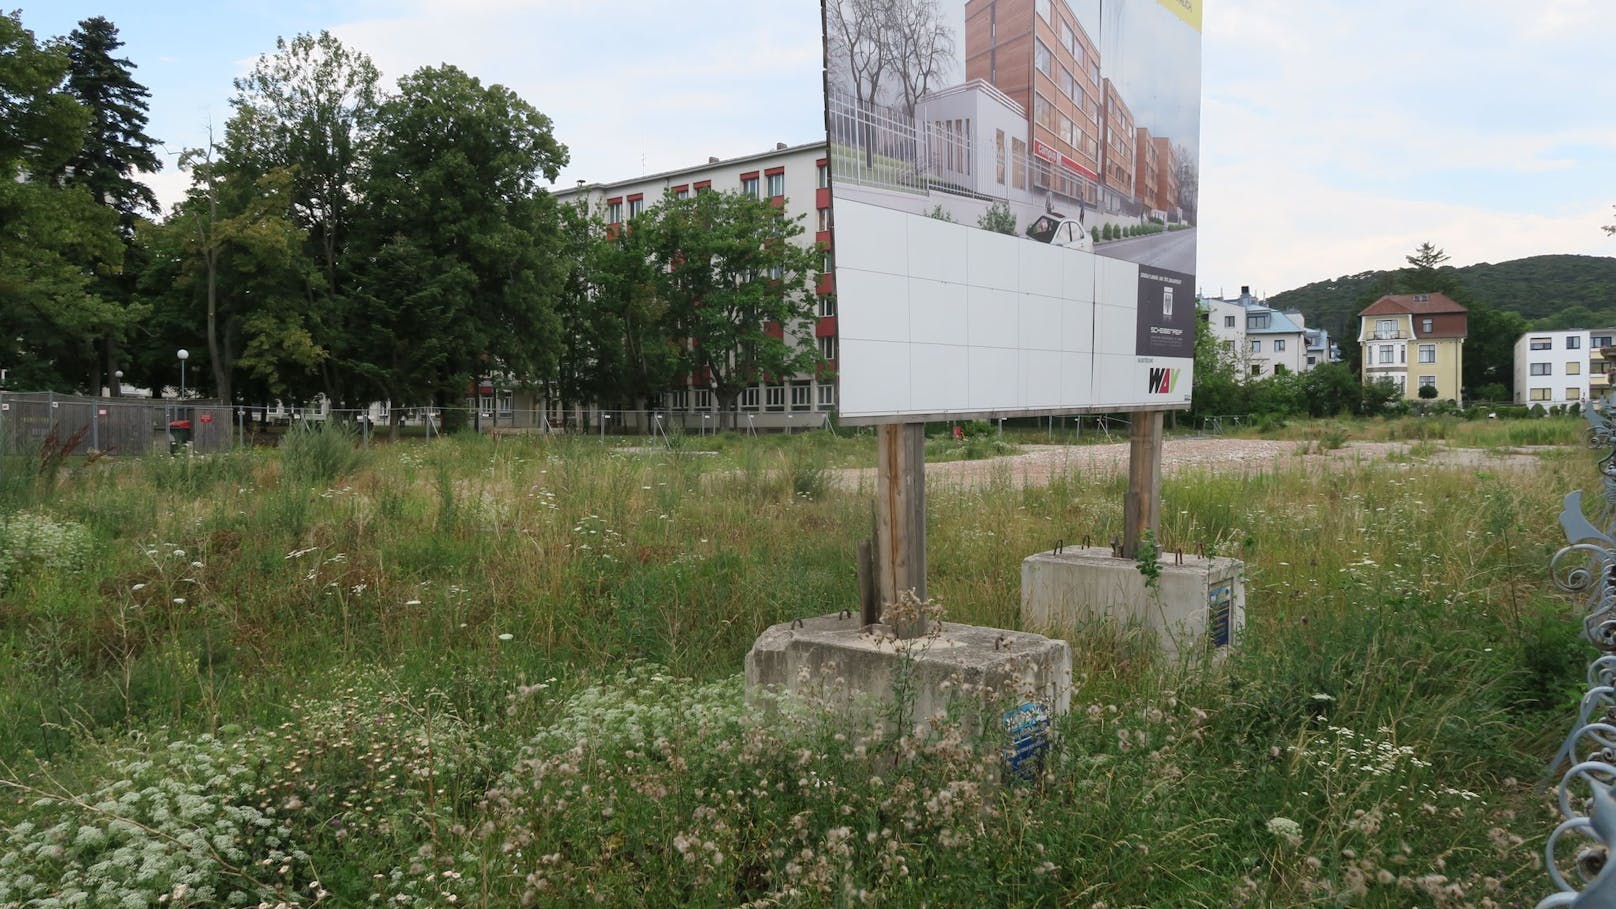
(1036, 464)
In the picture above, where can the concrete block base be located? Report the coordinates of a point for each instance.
(832, 660)
(1200, 603)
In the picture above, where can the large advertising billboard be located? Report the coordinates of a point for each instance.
(1013, 189)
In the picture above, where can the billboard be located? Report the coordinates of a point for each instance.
(1014, 187)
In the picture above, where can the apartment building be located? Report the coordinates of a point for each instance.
(1117, 135)
(1415, 341)
(1147, 179)
(797, 178)
(1262, 341)
(1562, 367)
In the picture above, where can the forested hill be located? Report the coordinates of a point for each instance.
(1549, 291)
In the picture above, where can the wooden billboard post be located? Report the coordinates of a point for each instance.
(1142, 507)
(900, 519)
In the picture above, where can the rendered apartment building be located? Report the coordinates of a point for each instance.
(1415, 341)
(793, 177)
(1562, 367)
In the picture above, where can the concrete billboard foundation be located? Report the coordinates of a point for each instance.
(1200, 602)
(834, 661)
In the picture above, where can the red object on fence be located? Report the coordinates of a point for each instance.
(207, 418)
(180, 424)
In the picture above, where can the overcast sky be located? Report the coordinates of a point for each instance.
(1336, 134)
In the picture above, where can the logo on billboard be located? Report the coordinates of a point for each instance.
(1163, 381)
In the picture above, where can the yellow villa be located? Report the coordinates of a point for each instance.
(1415, 341)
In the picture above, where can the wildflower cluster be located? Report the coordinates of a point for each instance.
(184, 826)
(32, 542)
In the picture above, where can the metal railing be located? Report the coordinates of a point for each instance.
(79, 425)
(1587, 789)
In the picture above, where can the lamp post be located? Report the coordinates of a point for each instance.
(183, 355)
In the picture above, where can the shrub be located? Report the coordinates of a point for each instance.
(1095, 232)
(1428, 392)
(31, 542)
(319, 453)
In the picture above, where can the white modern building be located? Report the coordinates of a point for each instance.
(1262, 341)
(1562, 367)
(795, 178)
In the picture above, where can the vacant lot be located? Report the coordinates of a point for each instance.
(505, 673)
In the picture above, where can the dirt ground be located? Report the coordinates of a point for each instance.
(1036, 464)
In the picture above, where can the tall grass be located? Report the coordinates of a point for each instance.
(505, 672)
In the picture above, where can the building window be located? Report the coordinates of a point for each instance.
(827, 347)
(1540, 394)
(1600, 342)
(682, 192)
(774, 397)
(824, 220)
(827, 306)
(704, 184)
(1540, 369)
(1385, 354)
(830, 262)
(1018, 155)
(1574, 368)
(1279, 345)
(1258, 321)
(507, 402)
(1541, 344)
(1041, 58)
(827, 397)
(1043, 10)
(1386, 328)
(1312, 361)
(1256, 369)
(614, 212)
(1427, 381)
(1573, 394)
(802, 396)
(636, 207)
(1574, 342)
(1598, 368)
(1402, 355)
(777, 185)
(676, 400)
(1425, 325)
(999, 153)
(1427, 353)
(1256, 346)
(749, 187)
(704, 399)
(749, 399)
(1228, 321)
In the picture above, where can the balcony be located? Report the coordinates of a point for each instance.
(1393, 335)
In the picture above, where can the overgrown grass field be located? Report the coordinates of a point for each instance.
(506, 672)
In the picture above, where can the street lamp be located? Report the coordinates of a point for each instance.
(117, 383)
(183, 355)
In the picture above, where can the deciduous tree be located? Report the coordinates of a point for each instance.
(459, 265)
(739, 289)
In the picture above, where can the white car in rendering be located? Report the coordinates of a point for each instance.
(1058, 230)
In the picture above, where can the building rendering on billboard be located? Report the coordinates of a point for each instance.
(1014, 187)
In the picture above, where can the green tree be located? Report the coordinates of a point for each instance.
(116, 150)
(1330, 389)
(459, 264)
(1218, 390)
(230, 260)
(53, 238)
(617, 349)
(738, 285)
(311, 109)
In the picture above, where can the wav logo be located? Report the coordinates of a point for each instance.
(1163, 381)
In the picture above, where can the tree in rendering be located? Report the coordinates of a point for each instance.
(739, 289)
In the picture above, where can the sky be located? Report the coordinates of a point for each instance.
(1336, 135)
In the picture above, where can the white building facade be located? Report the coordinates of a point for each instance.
(1262, 341)
(795, 178)
(1562, 367)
